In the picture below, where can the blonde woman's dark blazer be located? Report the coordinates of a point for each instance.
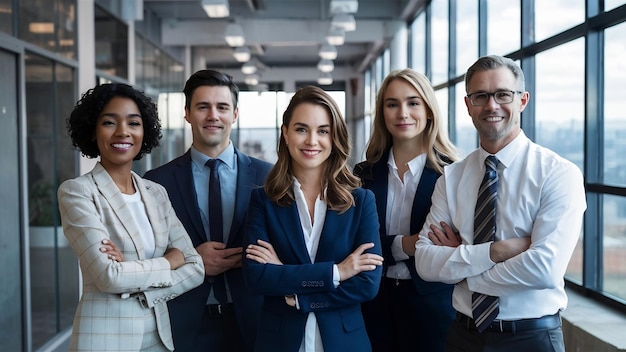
(109, 316)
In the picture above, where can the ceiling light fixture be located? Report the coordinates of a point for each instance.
(325, 65)
(216, 8)
(249, 67)
(325, 79)
(234, 35)
(328, 52)
(344, 21)
(252, 80)
(344, 6)
(335, 36)
(242, 54)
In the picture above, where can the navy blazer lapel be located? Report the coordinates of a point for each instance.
(327, 238)
(292, 228)
(245, 180)
(380, 173)
(184, 181)
(422, 200)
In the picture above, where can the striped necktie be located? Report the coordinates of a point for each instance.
(484, 307)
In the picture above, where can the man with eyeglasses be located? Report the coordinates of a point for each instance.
(503, 224)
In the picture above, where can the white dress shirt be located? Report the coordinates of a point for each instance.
(140, 217)
(400, 197)
(540, 195)
(312, 340)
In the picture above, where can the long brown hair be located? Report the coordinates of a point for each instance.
(440, 151)
(337, 178)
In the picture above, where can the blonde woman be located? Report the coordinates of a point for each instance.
(406, 154)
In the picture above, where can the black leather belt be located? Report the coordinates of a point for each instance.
(215, 310)
(547, 322)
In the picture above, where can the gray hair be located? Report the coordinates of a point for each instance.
(492, 62)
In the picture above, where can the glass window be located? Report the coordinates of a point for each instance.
(611, 4)
(571, 13)
(111, 44)
(260, 117)
(440, 39)
(614, 246)
(49, 24)
(559, 108)
(466, 35)
(466, 136)
(442, 99)
(51, 160)
(559, 100)
(6, 16)
(614, 106)
(418, 44)
(503, 26)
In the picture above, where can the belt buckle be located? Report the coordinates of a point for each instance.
(500, 324)
(219, 309)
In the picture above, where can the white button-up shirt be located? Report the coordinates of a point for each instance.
(541, 196)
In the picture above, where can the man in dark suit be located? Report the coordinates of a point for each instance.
(221, 314)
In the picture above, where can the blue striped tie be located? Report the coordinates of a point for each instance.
(485, 308)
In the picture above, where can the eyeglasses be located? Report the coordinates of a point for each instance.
(500, 96)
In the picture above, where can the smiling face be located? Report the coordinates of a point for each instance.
(308, 138)
(211, 115)
(404, 111)
(119, 133)
(497, 124)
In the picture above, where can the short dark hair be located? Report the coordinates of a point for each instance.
(81, 124)
(210, 78)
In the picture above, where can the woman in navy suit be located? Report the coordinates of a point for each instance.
(406, 154)
(312, 244)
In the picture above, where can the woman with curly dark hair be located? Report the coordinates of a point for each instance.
(134, 253)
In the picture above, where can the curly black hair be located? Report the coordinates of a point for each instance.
(81, 124)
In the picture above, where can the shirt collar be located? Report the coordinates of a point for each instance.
(414, 164)
(507, 155)
(227, 156)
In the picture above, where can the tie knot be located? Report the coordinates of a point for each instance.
(213, 163)
(491, 162)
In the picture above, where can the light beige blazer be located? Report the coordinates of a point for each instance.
(108, 318)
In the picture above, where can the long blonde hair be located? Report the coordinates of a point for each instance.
(338, 180)
(439, 150)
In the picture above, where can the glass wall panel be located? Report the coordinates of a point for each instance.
(611, 4)
(559, 106)
(418, 44)
(48, 24)
(614, 246)
(51, 160)
(442, 99)
(559, 100)
(466, 136)
(6, 16)
(570, 13)
(503, 26)
(439, 29)
(111, 44)
(615, 106)
(260, 117)
(466, 35)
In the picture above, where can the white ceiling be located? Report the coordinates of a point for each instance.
(281, 33)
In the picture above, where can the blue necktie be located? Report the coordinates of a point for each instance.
(485, 308)
(216, 227)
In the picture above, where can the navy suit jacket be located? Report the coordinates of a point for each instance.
(436, 296)
(337, 309)
(186, 311)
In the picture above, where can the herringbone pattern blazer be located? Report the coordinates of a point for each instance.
(108, 317)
